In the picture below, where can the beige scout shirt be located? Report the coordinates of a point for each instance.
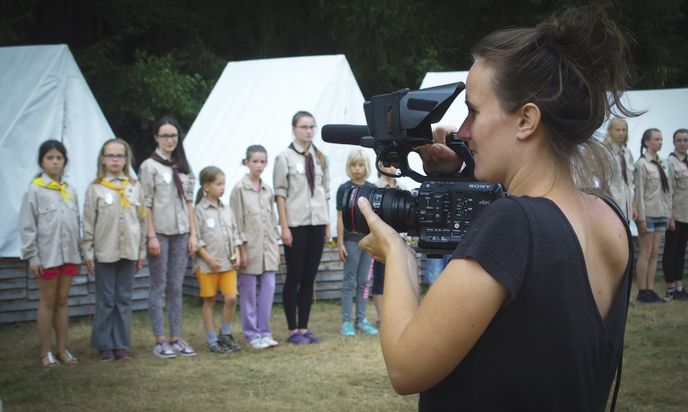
(621, 191)
(170, 214)
(289, 178)
(678, 174)
(255, 215)
(650, 199)
(112, 231)
(49, 227)
(217, 232)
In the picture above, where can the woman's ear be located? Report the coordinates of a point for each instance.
(529, 117)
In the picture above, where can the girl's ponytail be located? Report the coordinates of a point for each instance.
(199, 195)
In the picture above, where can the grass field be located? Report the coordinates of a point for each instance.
(341, 374)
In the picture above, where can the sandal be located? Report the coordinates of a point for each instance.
(67, 358)
(48, 360)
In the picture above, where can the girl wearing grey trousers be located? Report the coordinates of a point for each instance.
(113, 246)
(168, 194)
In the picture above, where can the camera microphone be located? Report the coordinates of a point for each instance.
(347, 134)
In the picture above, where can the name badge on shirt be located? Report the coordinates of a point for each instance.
(167, 177)
(300, 168)
(108, 198)
(210, 222)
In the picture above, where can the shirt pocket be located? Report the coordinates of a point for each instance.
(681, 179)
(653, 180)
(163, 187)
(47, 218)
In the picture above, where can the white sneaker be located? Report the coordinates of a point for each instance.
(163, 350)
(259, 343)
(182, 348)
(270, 341)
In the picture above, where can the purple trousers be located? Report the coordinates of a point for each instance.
(255, 315)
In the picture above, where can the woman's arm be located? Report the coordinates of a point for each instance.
(340, 237)
(89, 227)
(193, 243)
(455, 312)
(282, 216)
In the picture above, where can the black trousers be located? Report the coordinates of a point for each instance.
(675, 252)
(302, 259)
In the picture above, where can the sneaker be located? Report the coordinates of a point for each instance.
(163, 350)
(311, 337)
(259, 343)
(270, 341)
(121, 355)
(182, 348)
(106, 355)
(229, 342)
(216, 347)
(677, 295)
(366, 328)
(297, 339)
(348, 329)
(655, 297)
(648, 296)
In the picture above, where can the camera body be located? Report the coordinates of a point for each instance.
(441, 210)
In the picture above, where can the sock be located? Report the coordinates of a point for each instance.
(212, 337)
(679, 286)
(226, 328)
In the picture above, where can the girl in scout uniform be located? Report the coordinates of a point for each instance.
(49, 231)
(168, 183)
(302, 193)
(114, 247)
(653, 200)
(677, 235)
(254, 210)
(621, 184)
(219, 242)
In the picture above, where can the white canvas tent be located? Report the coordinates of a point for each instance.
(253, 103)
(44, 96)
(665, 109)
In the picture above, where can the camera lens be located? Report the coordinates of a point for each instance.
(394, 206)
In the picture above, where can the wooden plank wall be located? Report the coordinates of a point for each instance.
(19, 291)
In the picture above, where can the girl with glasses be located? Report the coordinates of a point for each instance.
(114, 247)
(168, 185)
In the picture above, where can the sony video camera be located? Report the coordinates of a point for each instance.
(440, 211)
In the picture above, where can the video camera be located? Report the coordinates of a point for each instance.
(440, 211)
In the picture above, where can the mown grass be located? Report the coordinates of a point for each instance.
(341, 374)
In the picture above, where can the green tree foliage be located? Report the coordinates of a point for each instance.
(144, 59)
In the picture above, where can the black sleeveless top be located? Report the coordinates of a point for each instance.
(548, 348)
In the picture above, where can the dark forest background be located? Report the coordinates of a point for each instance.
(143, 59)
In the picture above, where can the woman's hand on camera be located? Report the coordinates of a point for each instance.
(438, 157)
(382, 238)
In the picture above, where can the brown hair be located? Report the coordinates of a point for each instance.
(574, 67)
(178, 154)
(320, 155)
(207, 175)
(102, 171)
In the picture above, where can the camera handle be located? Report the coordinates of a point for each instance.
(453, 142)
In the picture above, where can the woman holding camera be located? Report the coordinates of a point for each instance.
(529, 313)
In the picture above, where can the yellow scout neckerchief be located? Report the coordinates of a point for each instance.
(53, 185)
(123, 200)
